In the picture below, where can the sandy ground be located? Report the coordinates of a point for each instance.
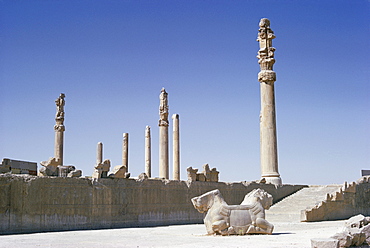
(284, 235)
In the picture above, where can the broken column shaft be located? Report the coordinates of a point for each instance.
(148, 157)
(125, 150)
(176, 147)
(99, 153)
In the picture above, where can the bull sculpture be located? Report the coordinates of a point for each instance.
(224, 219)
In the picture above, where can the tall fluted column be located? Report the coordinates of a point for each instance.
(267, 78)
(99, 153)
(59, 129)
(125, 151)
(148, 156)
(176, 147)
(163, 135)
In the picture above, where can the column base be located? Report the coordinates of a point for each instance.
(274, 180)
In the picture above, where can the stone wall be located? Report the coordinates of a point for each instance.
(350, 200)
(35, 204)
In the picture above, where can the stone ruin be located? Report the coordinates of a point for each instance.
(119, 171)
(52, 168)
(101, 168)
(207, 175)
(246, 218)
(356, 232)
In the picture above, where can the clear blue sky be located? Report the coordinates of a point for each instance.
(111, 59)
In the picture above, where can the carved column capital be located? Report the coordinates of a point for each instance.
(266, 52)
(267, 76)
(59, 128)
(163, 109)
(59, 116)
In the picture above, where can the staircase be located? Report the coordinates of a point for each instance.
(289, 209)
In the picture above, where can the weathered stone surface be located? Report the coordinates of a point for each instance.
(356, 232)
(75, 173)
(148, 152)
(349, 200)
(5, 167)
(366, 231)
(214, 175)
(50, 168)
(364, 179)
(207, 175)
(101, 169)
(119, 171)
(267, 78)
(192, 174)
(125, 150)
(176, 147)
(344, 239)
(59, 129)
(163, 135)
(224, 219)
(142, 176)
(357, 221)
(324, 243)
(63, 170)
(34, 204)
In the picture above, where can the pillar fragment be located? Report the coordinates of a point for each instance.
(148, 157)
(99, 153)
(125, 150)
(176, 147)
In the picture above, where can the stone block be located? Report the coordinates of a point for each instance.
(192, 174)
(119, 171)
(344, 239)
(324, 243)
(75, 173)
(366, 231)
(207, 175)
(50, 167)
(142, 176)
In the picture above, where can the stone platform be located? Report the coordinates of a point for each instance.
(285, 235)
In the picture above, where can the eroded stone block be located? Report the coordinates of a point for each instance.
(207, 175)
(192, 174)
(119, 171)
(324, 243)
(50, 167)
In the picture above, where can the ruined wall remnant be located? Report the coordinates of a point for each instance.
(207, 175)
(350, 200)
(35, 204)
(18, 167)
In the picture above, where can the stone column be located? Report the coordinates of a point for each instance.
(267, 78)
(59, 129)
(148, 156)
(163, 135)
(99, 153)
(176, 147)
(125, 151)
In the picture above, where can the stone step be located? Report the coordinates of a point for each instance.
(289, 209)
